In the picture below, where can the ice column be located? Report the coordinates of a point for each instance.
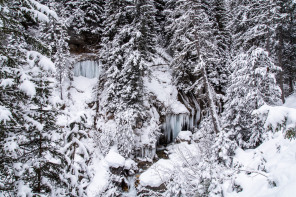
(88, 68)
(175, 123)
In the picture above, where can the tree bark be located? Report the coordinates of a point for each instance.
(280, 61)
(209, 95)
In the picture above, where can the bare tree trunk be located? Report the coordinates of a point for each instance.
(207, 86)
(210, 98)
(280, 61)
(61, 86)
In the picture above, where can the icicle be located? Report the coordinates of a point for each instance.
(88, 68)
(197, 115)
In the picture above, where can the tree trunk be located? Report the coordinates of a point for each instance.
(280, 61)
(207, 86)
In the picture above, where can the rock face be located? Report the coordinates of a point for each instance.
(84, 42)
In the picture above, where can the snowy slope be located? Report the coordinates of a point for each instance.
(161, 85)
(270, 169)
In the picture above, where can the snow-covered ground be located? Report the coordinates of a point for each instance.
(161, 171)
(81, 94)
(270, 169)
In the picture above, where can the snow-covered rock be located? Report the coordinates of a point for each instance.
(114, 159)
(185, 135)
(157, 174)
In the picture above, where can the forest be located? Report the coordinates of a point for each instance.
(147, 98)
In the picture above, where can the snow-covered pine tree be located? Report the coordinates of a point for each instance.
(252, 85)
(16, 18)
(56, 37)
(84, 19)
(77, 154)
(253, 24)
(42, 161)
(195, 52)
(285, 45)
(221, 16)
(266, 24)
(129, 46)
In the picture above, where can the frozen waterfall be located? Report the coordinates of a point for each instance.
(174, 123)
(88, 68)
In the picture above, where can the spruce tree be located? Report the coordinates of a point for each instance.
(42, 161)
(16, 88)
(195, 52)
(77, 152)
(252, 85)
(129, 47)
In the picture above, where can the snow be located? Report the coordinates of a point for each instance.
(42, 13)
(47, 64)
(162, 87)
(114, 159)
(44, 9)
(44, 62)
(81, 94)
(278, 158)
(6, 82)
(161, 171)
(291, 101)
(278, 115)
(129, 164)
(270, 169)
(185, 135)
(157, 174)
(101, 176)
(23, 189)
(28, 87)
(5, 114)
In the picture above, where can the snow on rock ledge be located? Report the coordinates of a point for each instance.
(162, 87)
(185, 135)
(114, 159)
(277, 115)
(157, 174)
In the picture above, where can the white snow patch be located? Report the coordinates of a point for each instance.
(129, 164)
(162, 87)
(273, 161)
(6, 82)
(101, 177)
(185, 135)
(157, 174)
(5, 114)
(278, 115)
(47, 64)
(291, 101)
(28, 87)
(114, 159)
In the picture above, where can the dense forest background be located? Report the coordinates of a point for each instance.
(226, 68)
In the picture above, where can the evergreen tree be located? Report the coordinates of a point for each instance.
(84, 19)
(223, 38)
(266, 24)
(285, 45)
(129, 47)
(77, 153)
(195, 52)
(16, 42)
(252, 85)
(42, 161)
